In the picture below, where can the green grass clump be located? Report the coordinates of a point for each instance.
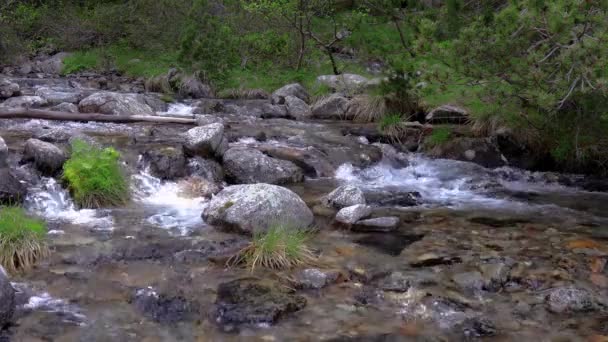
(95, 177)
(280, 247)
(440, 135)
(22, 241)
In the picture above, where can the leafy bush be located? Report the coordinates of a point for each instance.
(94, 176)
(22, 241)
(278, 248)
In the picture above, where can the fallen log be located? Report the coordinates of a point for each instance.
(22, 113)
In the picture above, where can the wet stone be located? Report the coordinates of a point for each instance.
(497, 222)
(478, 327)
(379, 224)
(344, 196)
(570, 299)
(396, 281)
(248, 301)
(393, 198)
(469, 280)
(314, 278)
(354, 213)
(164, 308)
(431, 260)
(391, 244)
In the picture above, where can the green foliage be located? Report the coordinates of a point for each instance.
(439, 136)
(280, 247)
(389, 121)
(94, 176)
(22, 239)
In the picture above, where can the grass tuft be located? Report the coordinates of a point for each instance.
(94, 176)
(439, 136)
(278, 248)
(22, 239)
(368, 108)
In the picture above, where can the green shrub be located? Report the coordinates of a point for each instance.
(278, 248)
(22, 239)
(440, 135)
(94, 176)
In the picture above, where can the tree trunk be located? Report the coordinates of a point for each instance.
(332, 59)
(22, 113)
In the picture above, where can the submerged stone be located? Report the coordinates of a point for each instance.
(391, 244)
(164, 308)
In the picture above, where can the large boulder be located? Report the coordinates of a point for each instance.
(477, 150)
(65, 107)
(297, 108)
(448, 114)
(3, 154)
(245, 165)
(344, 196)
(333, 107)
(250, 301)
(52, 65)
(207, 169)
(11, 189)
(24, 102)
(206, 141)
(57, 96)
(191, 86)
(254, 208)
(166, 162)
(8, 88)
(47, 158)
(346, 83)
(115, 104)
(294, 89)
(7, 299)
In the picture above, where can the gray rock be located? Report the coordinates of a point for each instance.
(294, 89)
(47, 158)
(205, 119)
(344, 196)
(164, 308)
(65, 107)
(247, 166)
(477, 150)
(314, 278)
(7, 299)
(495, 273)
(354, 213)
(57, 96)
(3, 154)
(255, 207)
(333, 107)
(52, 65)
(191, 86)
(205, 141)
(347, 83)
(155, 103)
(396, 282)
(207, 169)
(24, 102)
(469, 280)
(8, 88)
(249, 301)
(448, 114)
(115, 104)
(297, 108)
(379, 224)
(11, 189)
(166, 162)
(570, 299)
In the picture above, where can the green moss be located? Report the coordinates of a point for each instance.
(22, 239)
(280, 247)
(95, 177)
(440, 135)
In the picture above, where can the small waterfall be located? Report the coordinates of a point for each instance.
(49, 200)
(46, 303)
(178, 109)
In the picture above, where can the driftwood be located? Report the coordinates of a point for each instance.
(22, 113)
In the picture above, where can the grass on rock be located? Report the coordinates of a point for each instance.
(94, 176)
(22, 239)
(439, 136)
(280, 247)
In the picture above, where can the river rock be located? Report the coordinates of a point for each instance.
(378, 224)
(255, 207)
(354, 213)
(570, 299)
(57, 96)
(249, 301)
(206, 119)
(205, 141)
(115, 104)
(47, 158)
(477, 150)
(297, 108)
(344, 196)
(65, 107)
(24, 102)
(207, 169)
(11, 189)
(332, 107)
(3, 154)
(314, 278)
(347, 83)
(247, 165)
(167, 162)
(191, 86)
(256, 108)
(164, 308)
(469, 280)
(7, 299)
(51, 65)
(294, 89)
(8, 88)
(448, 114)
